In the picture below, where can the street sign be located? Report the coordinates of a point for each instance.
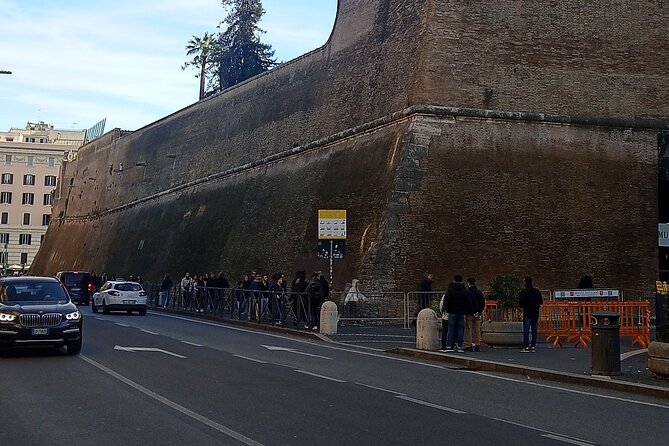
(581, 293)
(331, 224)
(663, 234)
(338, 249)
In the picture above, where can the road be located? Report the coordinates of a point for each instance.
(167, 379)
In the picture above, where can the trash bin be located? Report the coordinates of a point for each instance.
(605, 343)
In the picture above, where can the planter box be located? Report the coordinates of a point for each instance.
(658, 358)
(502, 334)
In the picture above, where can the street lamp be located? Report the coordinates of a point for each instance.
(5, 264)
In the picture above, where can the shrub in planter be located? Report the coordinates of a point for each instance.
(505, 290)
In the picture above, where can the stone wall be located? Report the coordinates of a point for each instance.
(414, 117)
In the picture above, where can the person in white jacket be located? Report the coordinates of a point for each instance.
(353, 297)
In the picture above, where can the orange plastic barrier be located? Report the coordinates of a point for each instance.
(571, 321)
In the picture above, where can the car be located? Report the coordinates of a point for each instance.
(120, 295)
(79, 285)
(37, 311)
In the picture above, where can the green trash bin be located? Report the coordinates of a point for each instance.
(605, 343)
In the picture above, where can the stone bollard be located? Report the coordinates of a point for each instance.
(427, 330)
(329, 318)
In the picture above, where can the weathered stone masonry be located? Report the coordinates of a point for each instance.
(462, 137)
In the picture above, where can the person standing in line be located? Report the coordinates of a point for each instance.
(186, 290)
(352, 298)
(530, 301)
(587, 281)
(457, 303)
(325, 287)
(299, 304)
(444, 323)
(474, 315)
(165, 288)
(314, 299)
(425, 288)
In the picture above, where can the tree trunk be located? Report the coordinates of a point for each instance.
(202, 77)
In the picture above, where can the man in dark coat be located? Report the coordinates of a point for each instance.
(530, 301)
(474, 316)
(425, 288)
(457, 306)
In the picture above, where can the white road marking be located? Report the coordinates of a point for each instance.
(331, 346)
(147, 349)
(567, 440)
(428, 404)
(624, 356)
(121, 325)
(250, 359)
(564, 389)
(320, 376)
(548, 434)
(292, 350)
(149, 332)
(192, 343)
(381, 390)
(194, 415)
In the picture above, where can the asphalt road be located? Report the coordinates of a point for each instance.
(205, 383)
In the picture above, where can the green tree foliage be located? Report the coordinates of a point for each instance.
(201, 49)
(505, 290)
(240, 53)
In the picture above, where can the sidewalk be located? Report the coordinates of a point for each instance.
(567, 364)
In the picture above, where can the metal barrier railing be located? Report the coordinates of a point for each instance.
(559, 320)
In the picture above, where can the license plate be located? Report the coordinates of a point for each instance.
(40, 331)
(129, 301)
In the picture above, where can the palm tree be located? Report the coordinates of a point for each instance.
(201, 49)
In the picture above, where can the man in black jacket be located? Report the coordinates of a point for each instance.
(474, 315)
(457, 306)
(530, 301)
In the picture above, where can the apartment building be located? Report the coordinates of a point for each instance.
(30, 161)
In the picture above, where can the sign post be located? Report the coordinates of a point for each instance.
(332, 226)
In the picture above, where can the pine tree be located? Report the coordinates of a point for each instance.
(240, 54)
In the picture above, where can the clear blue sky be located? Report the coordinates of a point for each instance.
(75, 62)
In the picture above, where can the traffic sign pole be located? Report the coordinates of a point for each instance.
(331, 263)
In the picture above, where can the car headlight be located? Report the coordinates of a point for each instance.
(73, 316)
(7, 317)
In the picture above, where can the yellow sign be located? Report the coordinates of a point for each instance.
(662, 287)
(331, 224)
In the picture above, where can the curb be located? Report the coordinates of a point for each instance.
(551, 375)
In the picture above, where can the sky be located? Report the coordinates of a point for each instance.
(75, 62)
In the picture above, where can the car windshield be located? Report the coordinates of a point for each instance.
(128, 287)
(24, 292)
(74, 279)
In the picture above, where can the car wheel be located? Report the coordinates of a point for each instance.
(94, 309)
(105, 310)
(74, 348)
(142, 312)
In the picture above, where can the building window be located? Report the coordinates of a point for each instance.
(26, 218)
(28, 198)
(24, 239)
(7, 178)
(52, 161)
(24, 257)
(31, 159)
(5, 218)
(30, 139)
(46, 219)
(9, 139)
(4, 238)
(42, 140)
(41, 239)
(5, 197)
(8, 159)
(28, 180)
(3, 257)
(50, 180)
(48, 199)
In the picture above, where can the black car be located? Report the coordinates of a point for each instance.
(37, 311)
(79, 284)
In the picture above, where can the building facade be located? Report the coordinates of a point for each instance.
(30, 161)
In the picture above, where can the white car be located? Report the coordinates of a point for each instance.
(120, 295)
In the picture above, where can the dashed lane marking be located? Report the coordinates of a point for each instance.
(432, 405)
(320, 376)
(250, 359)
(193, 344)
